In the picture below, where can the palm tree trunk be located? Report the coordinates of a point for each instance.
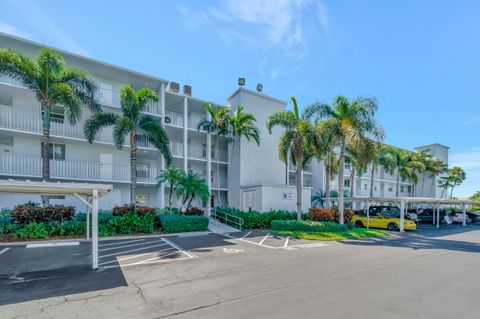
(451, 193)
(133, 168)
(327, 181)
(45, 148)
(191, 199)
(341, 181)
(352, 177)
(218, 170)
(298, 179)
(434, 186)
(371, 180)
(398, 182)
(170, 195)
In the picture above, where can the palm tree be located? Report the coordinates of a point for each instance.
(405, 165)
(437, 167)
(350, 123)
(331, 170)
(172, 176)
(55, 86)
(318, 198)
(457, 176)
(296, 142)
(192, 185)
(132, 123)
(426, 159)
(379, 159)
(359, 159)
(219, 125)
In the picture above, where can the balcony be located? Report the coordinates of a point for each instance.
(11, 81)
(221, 157)
(222, 183)
(29, 166)
(177, 149)
(173, 119)
(111, 97)
(197, 152)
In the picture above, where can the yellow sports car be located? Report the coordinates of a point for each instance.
(382, 220)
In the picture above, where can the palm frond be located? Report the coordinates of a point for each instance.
(95, 123)
(66, 97)
(285, 119)
(18, 66)
(156, 135)
(123, 126)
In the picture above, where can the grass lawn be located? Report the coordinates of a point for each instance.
(350, 234)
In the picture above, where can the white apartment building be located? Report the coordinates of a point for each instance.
(243, 174)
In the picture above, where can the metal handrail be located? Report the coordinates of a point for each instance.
(227, 218)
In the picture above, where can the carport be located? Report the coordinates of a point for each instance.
(401, 202)
(89, 194)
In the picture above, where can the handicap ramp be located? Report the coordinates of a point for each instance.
(220, 228)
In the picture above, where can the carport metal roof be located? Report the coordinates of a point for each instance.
(435, 202)
(92, 192)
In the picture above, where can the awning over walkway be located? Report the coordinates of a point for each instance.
(92, 193)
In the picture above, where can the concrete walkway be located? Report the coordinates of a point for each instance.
(220, 228)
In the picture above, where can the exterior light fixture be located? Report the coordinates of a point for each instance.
(259, 87)
(187, 90)
(241, 81)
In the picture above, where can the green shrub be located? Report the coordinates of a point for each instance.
(32, 231)
(329, 214)
(67, 228)
(168, 210)
(307, 226)
(256, 220)
(26, 214)
(133, 209)
(183, 223)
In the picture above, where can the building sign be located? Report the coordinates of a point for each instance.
(287, 195)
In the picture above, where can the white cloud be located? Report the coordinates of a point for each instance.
(471, 121)
(10, 29)
(283, 26)
(46, 31)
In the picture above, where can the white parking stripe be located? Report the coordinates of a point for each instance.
(137, 256)
(136, 249)
(120, 247)
(57, 244)
(149, 262)
(4, 250)
(265, 238)
(119, 242)
(286, 242)
(246, 234)
(180, 249)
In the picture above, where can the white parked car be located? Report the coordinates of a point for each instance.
(457, 218)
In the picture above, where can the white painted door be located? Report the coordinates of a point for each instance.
(106, 166)
(106, 93)
(249, 200)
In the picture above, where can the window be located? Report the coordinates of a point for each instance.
(402, 188)
(56, 151)
(143, 171)
(390, 188)
(347, 182)
(409, 189)
(142, 199)
(365, 186)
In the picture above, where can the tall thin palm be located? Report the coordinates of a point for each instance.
(436, 168)
(132, 123)
(405, 166)
(350, 123)
(217, 124)
(55, 86)
(457, 176)
(426, 159)
(360, 157)
(296, 142)
(380, 159)
(171, 176)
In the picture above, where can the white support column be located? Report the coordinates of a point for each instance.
(368, 214)
(438, 216)
(209, 164)
(95, 229)
(464, 215)
(88, 221)
(185, 134)
(162, 161)
(402, 216)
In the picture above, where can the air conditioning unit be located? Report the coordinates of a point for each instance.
(174, 87)
(187, 90)
(167, 119)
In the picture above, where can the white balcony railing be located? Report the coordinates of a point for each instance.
(197, 152)
(222, 183)
(111, 97)
(21, 121)
(177, 149)
(222, 156)
(9, 80)
(173, 118)
(30, 166)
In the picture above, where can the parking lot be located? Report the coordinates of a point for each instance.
(253, 274)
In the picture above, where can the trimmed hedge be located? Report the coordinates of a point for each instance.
(183, 223)
(329, 214)
(256, 220)
(26, 214)
(307, 226)
(133, 209)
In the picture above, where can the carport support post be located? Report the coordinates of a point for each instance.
(402, 215)
(95, 229)
(438, 216)
(368, 214)
(464, 216)
(88, 222)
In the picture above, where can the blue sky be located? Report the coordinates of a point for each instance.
(419, 58)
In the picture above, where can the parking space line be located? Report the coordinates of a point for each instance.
(246, 234)
(264, 238)
(150, 262)
(4, 250)
(120, 247)
(179, 248)
(286, 242)
(136, 256)
(120, 242)
(136, 249)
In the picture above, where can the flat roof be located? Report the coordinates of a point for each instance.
(416, 200)
(52, 188)
(434, 144)
(241, 89)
